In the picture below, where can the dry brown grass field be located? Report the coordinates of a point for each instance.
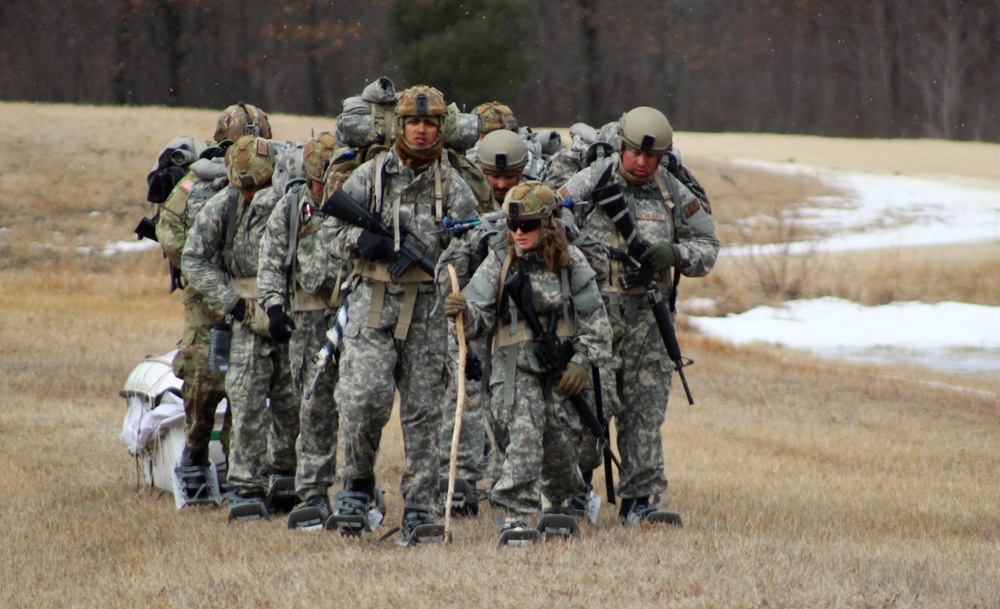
(802, 482)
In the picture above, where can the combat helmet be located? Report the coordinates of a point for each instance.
(502, 150)
(242, 119)
(493, 116)
(317, 152)
(420, 100)
(530, 200)
(250, 162)
(646, 129)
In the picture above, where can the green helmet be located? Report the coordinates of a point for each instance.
(646, 129)
(502, 150)
(317, 153)
(250, 162)
(242, 119)
(530, 200)
(493, 116)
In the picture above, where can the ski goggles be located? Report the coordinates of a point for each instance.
(525, 226)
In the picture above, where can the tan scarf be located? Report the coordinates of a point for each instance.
(418, 160)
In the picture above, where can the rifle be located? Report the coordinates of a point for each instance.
(492, 218)
(641, 275)
(330, 349)
(342, 206)
(609, 479)
(553, 355)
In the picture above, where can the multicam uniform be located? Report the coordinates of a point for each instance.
(307, 284)
(203, 387)
(665, 211)
(396, 334)
(258, 382)
(541, 436)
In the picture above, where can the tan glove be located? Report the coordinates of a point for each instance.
(256, 319)
(573, 380)
(454, 304)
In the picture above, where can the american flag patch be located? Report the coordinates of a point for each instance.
(690, 208)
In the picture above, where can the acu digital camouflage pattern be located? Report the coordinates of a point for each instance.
(313, 271)
(264, 405)
(373, 363)
(641, 368)
(541, 439)
(203, 387)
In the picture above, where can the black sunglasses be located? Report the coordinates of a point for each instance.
(525, 226)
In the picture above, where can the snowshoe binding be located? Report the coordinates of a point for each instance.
(281, 495)
(312, 515)
(248, 507)
(195, 481)
(634, 512)
(558, 522)
(465, 500)
(517, 533)
(419, 527)
(354, 513)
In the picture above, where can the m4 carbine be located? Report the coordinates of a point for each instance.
(342, 206)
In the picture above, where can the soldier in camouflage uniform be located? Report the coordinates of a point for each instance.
(683, 237)
(493, 116)
(396, 336)
(203, 387)
(296, 273)
(541, 430)
(220, 260)
(563, 165)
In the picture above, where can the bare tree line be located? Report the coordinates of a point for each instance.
(866, 68)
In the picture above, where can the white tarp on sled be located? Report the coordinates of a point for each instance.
(153, 429)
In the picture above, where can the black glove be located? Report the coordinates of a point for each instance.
(473, 367)
(281, 324)
(239, 310)
(374, 247)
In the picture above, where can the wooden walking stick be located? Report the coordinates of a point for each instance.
(459, 407)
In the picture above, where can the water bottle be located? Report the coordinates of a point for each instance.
(219, 340)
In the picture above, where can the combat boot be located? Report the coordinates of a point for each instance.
(419, 527)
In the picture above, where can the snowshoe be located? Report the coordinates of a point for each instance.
(196, 485)
(517, 533)
(281, 495)
(248, 508)
(634, 512)
(558, 522)
(419, 527)
(312, 515)
(355, 512)
(465, 500)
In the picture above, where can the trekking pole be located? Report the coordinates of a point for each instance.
(459, 407)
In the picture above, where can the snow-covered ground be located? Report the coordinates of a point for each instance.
(883, 211)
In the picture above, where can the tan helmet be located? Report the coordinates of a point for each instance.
(420, 100)
(250, 162)
(530, 200)
(493, 116)
(242, 119)
(502, 150)
(646, 129)
(317, 153)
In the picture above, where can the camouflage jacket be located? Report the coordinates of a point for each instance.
(206, 178)
(312, 268)
(591, 330)
(208, 263)
(686, 224)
